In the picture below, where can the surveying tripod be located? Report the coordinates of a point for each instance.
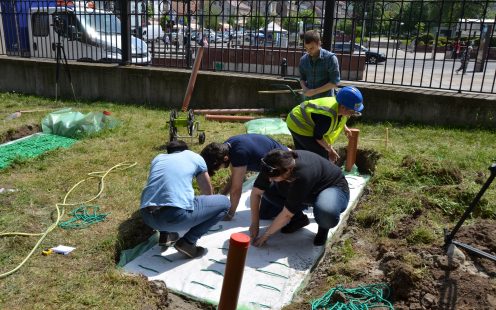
(59, 53)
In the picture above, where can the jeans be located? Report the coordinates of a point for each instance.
(327, 207)
(208, 210)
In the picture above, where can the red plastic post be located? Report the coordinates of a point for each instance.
(352, 149)
(238, 247)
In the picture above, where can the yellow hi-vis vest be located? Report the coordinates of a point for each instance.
(300, 121)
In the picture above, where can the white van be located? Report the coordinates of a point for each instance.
(85, 33)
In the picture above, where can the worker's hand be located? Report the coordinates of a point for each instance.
(308, 92)
(254, 228)
(348, 132)
(229, 215)
(333, 155)
(261, 241)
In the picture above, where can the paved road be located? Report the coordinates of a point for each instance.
(421, 69)
(405, 68)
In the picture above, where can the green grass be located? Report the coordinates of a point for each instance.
(425, 168)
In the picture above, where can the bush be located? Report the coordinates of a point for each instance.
(427, 38)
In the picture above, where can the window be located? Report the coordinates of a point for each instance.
(40, 25)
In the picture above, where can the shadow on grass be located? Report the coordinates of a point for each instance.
(132, 232)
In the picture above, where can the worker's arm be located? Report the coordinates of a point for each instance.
(237, 177)
(255, 198)
(347, 132)
(322, 89)
(281, 219)
(333, 155)
(322, 125)
(226, 187)
(303, 85)
(203, 180)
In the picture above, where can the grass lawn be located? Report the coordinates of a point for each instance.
(422, 163)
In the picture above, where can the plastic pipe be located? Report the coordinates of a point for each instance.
(192, 79)
(352, 149)
(228, 111)
(235, 265)
(228, 118)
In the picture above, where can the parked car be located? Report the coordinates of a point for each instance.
(370, 56)
(153, 32)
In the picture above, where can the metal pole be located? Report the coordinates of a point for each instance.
(125, 36)
(328, 25)
(449, 238)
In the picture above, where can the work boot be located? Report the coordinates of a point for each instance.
(167, 238)
(188, 249)
(298, 221)
(321, 237)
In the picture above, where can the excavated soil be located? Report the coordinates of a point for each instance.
(459, 281)
(23, 131)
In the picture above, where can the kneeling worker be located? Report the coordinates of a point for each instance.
(316, 124)
(242, 153)
(288, 182)
(169, 204)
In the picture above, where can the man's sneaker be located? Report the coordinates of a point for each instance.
(188, 249)
(321, 237)
(297, 222)
(167, 238)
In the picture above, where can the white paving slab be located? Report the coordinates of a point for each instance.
(272, 273)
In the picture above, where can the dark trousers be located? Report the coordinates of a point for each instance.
(308, 144)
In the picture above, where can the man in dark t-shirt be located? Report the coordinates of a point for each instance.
(288, 183)
(243, 153)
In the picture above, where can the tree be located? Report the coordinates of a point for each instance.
(255, 22)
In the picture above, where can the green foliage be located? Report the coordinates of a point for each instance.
(255, 22)
(421, 235)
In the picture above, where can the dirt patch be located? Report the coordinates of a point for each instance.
(23, 131)
(366, 160)
(420, 276)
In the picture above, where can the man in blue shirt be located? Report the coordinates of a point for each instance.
(319, 68)
(168, 202)
(243, 153)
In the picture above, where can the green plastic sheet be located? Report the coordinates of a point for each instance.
(30, 147)
(267, 126)
(74, 124)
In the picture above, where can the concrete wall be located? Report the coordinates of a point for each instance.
(166, 88)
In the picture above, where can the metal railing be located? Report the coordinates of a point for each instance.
(416, 43)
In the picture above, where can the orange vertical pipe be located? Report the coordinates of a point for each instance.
(352, 149)
(192, 79)
(238, 247)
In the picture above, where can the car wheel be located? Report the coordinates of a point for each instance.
(373, 60)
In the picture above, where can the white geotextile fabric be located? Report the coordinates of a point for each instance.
(272, 273)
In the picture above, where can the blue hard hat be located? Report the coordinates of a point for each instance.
(351, 98)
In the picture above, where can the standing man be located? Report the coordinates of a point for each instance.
(242, 153)
(465, 59)
(169, 204)
(319, 68)
(316, 124)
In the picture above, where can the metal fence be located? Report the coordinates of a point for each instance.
(409, 42)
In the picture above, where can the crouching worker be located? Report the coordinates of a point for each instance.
(288, 183)
(169, 204)
(242, 153)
